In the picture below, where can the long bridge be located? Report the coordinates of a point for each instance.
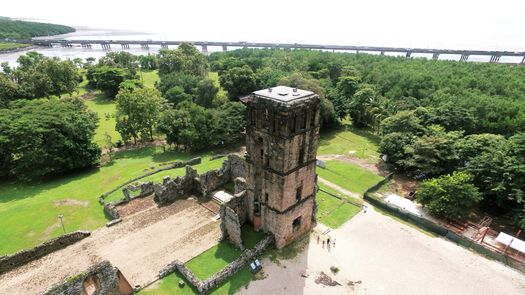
(144, 44)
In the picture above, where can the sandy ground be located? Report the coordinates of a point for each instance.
(140, 246)
(378, 255)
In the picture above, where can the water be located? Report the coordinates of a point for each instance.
(402, 23)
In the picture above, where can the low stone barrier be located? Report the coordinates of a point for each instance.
(221, 276)
(10, 262)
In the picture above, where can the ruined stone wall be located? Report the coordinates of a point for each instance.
(144, 188)
(178, 188)
(171, 190)
(231, 226)
(246, 257)
(100, 279)
(10, 262)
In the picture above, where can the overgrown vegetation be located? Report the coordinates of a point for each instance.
(17, 29)
(425, 111)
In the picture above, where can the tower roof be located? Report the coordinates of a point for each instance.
(284, 94)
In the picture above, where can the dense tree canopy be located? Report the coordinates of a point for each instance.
(45, 137)
(138, 113)
(451, 196)
(18, 29)
(37, 76)
(185, 59)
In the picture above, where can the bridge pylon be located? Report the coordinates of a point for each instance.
(224, 48)
(204, 48)
(464, 57)
(435, 56)
(495, 58)
(408, 54)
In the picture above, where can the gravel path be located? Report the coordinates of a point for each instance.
(378, 255)
(140, 246)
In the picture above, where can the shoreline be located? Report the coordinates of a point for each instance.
(29, 47)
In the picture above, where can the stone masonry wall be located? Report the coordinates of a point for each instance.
(10, 262)
(178, 188)
(231, 226)
(171, 190)
(100, 279)
(221, 276)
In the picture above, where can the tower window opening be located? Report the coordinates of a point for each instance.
(299, 193)
(296, 224)
(301, 156)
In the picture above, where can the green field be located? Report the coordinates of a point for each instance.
(29, 210)
(208, 263)
(349, 176)
(349, 141)
(4, 46)
(334, 212)
(105, 108)
(149, 78)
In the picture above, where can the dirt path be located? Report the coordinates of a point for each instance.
(338, 188)
(140, 246)
(378, 255)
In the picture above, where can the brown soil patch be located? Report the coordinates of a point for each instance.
(70, 202)
(379, 168)
(135, 205)
(140, 246)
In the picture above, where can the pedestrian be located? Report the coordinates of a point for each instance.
(334, 242)
(318, 239)
(323, 244)
(364, 208)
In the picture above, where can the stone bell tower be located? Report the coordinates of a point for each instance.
(282, 134)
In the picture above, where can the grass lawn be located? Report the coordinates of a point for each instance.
(149, 78)
(349, 141)
(208, 263)
(29, 210)
(4, 46)
(334, 212)
(105, 108)
(349, 176)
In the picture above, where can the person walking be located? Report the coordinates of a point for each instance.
(318, 239)
(323, 244)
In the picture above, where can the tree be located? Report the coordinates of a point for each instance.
(185, 59)
(148, 62)
(366, 107)
(238, 81)
(44, 137)
(120, 59)
(8, 90)
(342, 96)
(449, 196)
(187, 82)
(205, 93)
(108, 79)
(190, 125)
(176, 95)
(433, 153)
(138, 113)
(301, 81)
